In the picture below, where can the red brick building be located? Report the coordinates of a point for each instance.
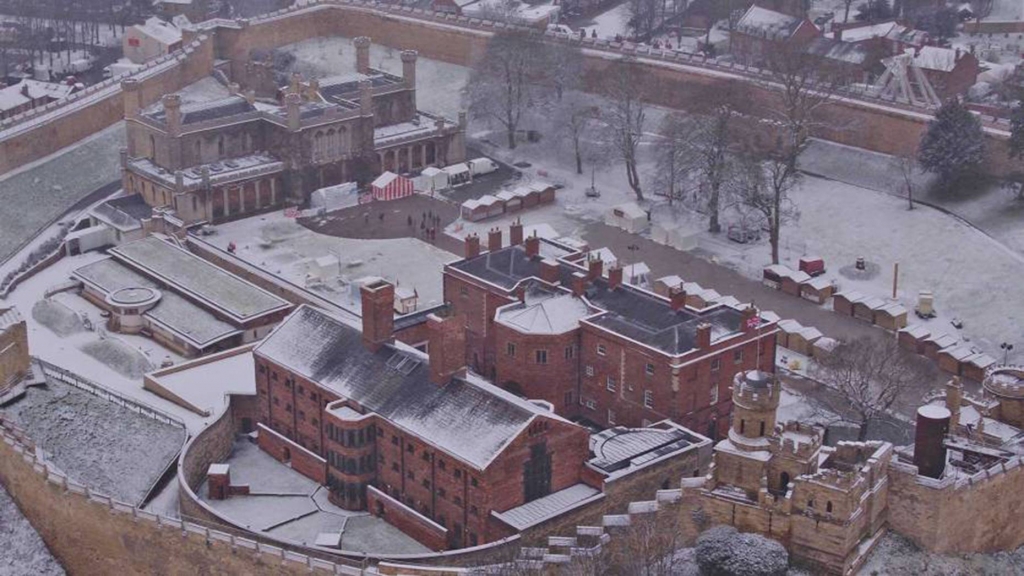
(544, 323)
(413, 437)
(761, 32)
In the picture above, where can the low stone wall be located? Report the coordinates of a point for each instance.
(301, 459)
(425, 531)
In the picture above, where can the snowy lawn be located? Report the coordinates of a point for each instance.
(108, 448)
(284, 248)
(23, 551)
(897, 556)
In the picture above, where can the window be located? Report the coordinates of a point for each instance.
(302, 391)
(611, 417)
(458, 473)
(610, 384)
(713, 394)
(410, 475)
(426, 457)
(810, 503)
(456, 500)
(441, 493)
(590, 370)
(394, 466)
(463, 292)
(426, 484)
(590, 403)
(716, 364)
(648, 399)
(474, 511)
(737, 356)
(473, 482)
(472, 539)
(762, 429)
(302, 415)
(541, 356)
(510, 349)
(440, 464)
(649, 369)
(828, 506)
(537, 473)
(743, 426)
(570, 352)
(601, 350)
(410, 448)
(394, 440)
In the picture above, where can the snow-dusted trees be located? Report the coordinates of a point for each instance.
(672, 161)
(625, 116)
(954, 144)
(722, 551)
(643, 17)
(576, 118)
(906, 166)
(562, 67)
(505, 81)
(647, 547)
(763, 187)
(865, 377)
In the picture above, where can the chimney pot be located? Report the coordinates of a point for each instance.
(579, 284)
(595, 268)
(472, 246)
(532, 246)
(549, 271)
(378, 310)
(614, 277)
(677, 299)
(447, 349)
(494, 240)
(703, 336)
(515, 233)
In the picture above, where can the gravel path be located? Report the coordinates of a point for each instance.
(23, 551)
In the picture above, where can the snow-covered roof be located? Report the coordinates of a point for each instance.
(618, 449)
(202, 385)
(164, 32)
(838, 51)
(936, 58)
(982, 360)
(543, 312)
(28, 90)
(636, 270)
(384, 179)
(942, 340)
(629, 210)
(969, 416)
(466, 417)
(198, 279)
(790, 325)
(671, 280)
(9, 317)
(536, 511)
(221, 172)
(431, 171)
(459, 168)
(917, 331)
(958, 352)
(861, 33)
(420, 127)
(818, 282)
(758, 21)
(125, 213)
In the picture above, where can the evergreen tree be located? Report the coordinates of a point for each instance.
(1017, 132)
(954, 143)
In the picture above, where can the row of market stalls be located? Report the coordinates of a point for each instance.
(952, 355)
(878, 311)
(507, 201)
(817, 289)
(696, 296)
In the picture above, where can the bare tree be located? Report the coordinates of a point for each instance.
(846, 10)
(672, 164)
(502, 85)
(906, 164)
(626, 114)
(644, 548)
(643, 18)
(575, 119)
(763, 186)
(562, 67)
(501, 11)
(866, 377)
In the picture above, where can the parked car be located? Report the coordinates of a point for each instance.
(482, 165)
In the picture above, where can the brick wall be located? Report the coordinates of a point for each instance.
(519, 372)
(425, 531)
(14, 357)
(302, 460)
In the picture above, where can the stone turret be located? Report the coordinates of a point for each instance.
(755, 398)
(292, 104)
(362, 44)
(409, 68)
(132, 97)
(172, 111)
(365, 97)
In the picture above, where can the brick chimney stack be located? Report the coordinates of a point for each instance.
(579, 284)
(362, 54)
(494, 239)
(614, 277)
(378, 308)
(447, 348)
(515, 233)
(472, 246)
(595, 268)
(549, 271)
(703, 336)
(532, 246)
(954, 399)
(677, 298)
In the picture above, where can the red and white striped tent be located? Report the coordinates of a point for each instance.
(391, 186)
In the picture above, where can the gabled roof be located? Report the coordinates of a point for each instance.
(765, 23)
(467, 417)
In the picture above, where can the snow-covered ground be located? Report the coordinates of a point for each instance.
(22, 550)
(611, 22)
(896, 556)
(282, 247)
(1005, 10)
(288, 505)
(106, 447)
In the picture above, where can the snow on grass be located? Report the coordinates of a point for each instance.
(119, 356)
(611, 22)
(62, 320)
(107, 447)
(897, 556)
(288, 250)
(23, 551)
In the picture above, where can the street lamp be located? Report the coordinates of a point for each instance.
(1006, 346)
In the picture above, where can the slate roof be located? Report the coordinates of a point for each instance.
(628, 311)
(125, 213)
(467, 417)
(203, 111)
(536, 511)
(617, 448)
(838, 51)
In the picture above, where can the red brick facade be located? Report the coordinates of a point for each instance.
(284, 449)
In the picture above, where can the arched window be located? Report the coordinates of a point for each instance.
(743, 426)
(332, 144)
(343, 144)
(198, 151)
(762, 428)
(828, 506)
(318, 146)
(152, 147)
(784, 481)
(220, 147)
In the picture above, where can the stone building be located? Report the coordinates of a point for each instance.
(14, 357)
(241, 155)
(826, 504)
(544, 321)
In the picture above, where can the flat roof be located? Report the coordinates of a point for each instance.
(202, 385)
(536, 511)
(619, 448)
(198, 279)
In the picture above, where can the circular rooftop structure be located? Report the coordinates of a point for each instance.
(133, 297)
(1006, 381)
(757, 379)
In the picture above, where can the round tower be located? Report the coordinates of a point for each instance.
(1006, 385)
(755, 399)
